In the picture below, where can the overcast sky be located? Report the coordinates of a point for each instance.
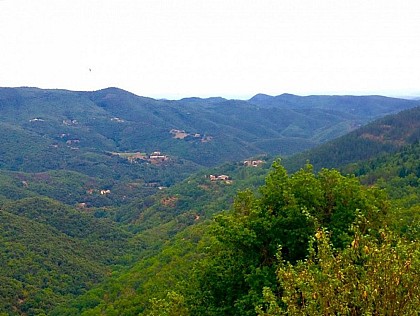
(235, 49)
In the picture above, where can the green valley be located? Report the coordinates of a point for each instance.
(116, 204)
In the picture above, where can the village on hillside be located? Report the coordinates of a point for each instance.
(155, 157)
(253, 163)
(181, 134)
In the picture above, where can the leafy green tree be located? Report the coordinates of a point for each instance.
(242, 259)
(372, 276)
(172, 305)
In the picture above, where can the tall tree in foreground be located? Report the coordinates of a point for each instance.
(242, 261)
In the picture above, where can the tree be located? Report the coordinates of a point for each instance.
(242, 259)
(372, 276)
(172, 305)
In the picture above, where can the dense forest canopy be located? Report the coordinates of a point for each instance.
(115, 204)
(288, 211)
(79, 131)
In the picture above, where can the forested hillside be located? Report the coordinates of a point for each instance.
(232, 266)
(58, 129)
(196, 274)
(51, 253)
(116, 204)
(386, 135)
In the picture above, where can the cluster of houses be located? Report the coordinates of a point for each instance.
(253, 163)
(157, 157)
(101, 192)
(72, 141)
(223, 178)
(70, 122)
(227, 179)
(154, 158)
(181, 134)
(117, 119)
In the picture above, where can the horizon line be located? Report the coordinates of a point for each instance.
(241, 97)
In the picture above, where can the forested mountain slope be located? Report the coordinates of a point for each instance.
(197, 199)
(169, 275)
(41, 267)
(374, 105)
(169, 227)
(56, 129)
(399, 175)
(50, 253)
(385, 135)
(58, 237)
(45, 234)
(83, 202)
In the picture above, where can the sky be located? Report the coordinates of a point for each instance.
(235, 49)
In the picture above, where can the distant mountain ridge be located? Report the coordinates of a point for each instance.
(75, 211)
(354, 104)
(67, 128)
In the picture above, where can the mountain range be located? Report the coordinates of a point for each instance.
(58, 129)
(105, 196)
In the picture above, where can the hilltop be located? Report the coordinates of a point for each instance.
(105, 196)
(59, 129)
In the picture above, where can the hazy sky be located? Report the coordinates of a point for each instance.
(205, 48)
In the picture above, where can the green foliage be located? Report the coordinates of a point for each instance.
(143, 289)
(386, 135)
(372, 276)
(41, 267)
(398, 174)
(170, 237)
(67, 249)
(242, 259)
(71, 222)
(57, 129)
(173, 305)
(50, 252)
